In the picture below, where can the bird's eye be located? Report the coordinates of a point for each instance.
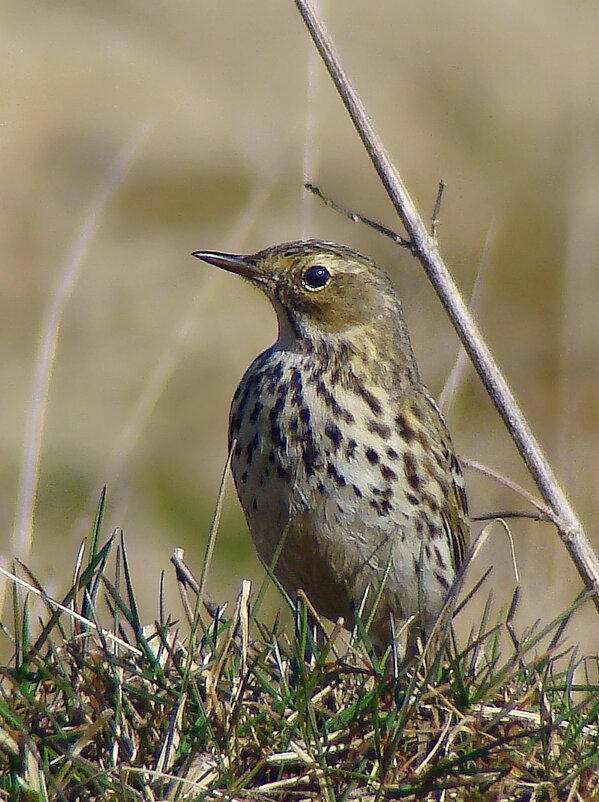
(316, 277)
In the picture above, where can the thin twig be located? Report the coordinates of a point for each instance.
(437, 210)
(425, 249)
(356, 217)
(541, 517)
(484, 470)
(185, 579)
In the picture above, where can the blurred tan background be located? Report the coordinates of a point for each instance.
(499, 99)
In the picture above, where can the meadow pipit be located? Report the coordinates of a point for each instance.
(340, 449)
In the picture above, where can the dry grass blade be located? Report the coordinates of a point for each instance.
(456, 375)
(215, 522)
(67, 610)
(23, 529)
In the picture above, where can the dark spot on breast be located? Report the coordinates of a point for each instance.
(357, 491)
(388, 474)
(383, 507)
(381, 429)
(321, 488)
(423, 439)
(406, 432)
(332, 403)
(392, 453)
(333, 432)
(432, 503)
(334, 376)
(274, 376)
(271, 455)
(343, 352)
(412, 499)
(277, 407)
(350, 451)
(244, 398)
(310, 456)
(277, 437)
(440, 560)
(441, 580)
(237, 451)
(244, 477)
(316, 374)
(304, 414)
(411, 470)
(416, 411)
(295, 379)
(282, 472)
(250, 448)
(385, 492)
(358, 388)
(296, 388)
(334, 474)
(256, 376)
(372, 456)
(254, 504)
(256, 411)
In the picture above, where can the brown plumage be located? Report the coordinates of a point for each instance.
(339, 446)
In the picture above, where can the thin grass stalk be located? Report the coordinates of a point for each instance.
(215, 523)
(30, 468)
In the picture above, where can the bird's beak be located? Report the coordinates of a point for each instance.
(242, 265)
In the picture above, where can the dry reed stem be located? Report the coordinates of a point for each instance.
(424, 247)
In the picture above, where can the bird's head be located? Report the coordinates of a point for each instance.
(318, 289)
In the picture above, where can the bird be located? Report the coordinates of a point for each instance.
(341, 459)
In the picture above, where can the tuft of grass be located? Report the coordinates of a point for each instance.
(96, 704)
